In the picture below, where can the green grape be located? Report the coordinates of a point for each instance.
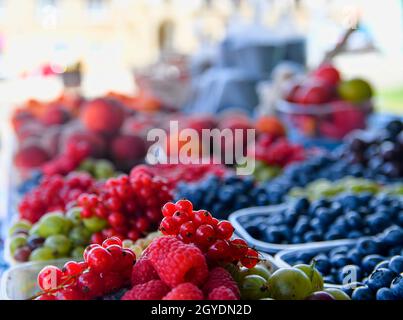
(127, 243)
(74, 215)
(17, 242)
(313, 275)
(87, 165)
(51, 224)
(259, 270)
(289, 284)
(34, 230)
(254, 287)
(236, 272)
(103, 169)
(337, 294)
(80, 236)
(77, 253)
(59, 244)
(42, 254)
(94, 224)
(20, 225)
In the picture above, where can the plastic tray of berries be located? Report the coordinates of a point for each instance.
(340, 263)
(340, 220)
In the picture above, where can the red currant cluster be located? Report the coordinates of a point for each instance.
(211, 236)
(67, 161)
(277, 151)
(54, 193)
(105, 269)
(182, 173)
(131, 205)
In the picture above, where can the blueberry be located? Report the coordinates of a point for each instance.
(339, 260)
(351, 202)
(395, 251)
(354, 256)
(272, 235)
(377, 223)
(302, 205)
(333, 235)
(254, 231)
(385, 294)
(296, 239)
(367, 246)
(369, 262)
(349, 288)
(397, 287)
(393, 235)
(316, 224)
(382, 264)
(396, 264)
(324, 215)
(322, 263)
(305, 256)
(290, 217)
(363, 293)
(349, 274)
(380, 278)
(355, 234)
(354, 220)
(312, 236)
(301, 226)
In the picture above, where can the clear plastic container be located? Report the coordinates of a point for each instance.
(323, 125)
(282, 257)
(274, 247)
(19, 282)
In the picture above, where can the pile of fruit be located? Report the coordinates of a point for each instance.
(323, 105)
(187, 263)
(351, 265)
(347, 216)
(323, 188)
(380, 152)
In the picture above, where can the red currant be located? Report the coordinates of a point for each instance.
(97, 238)
(69, 293)
(205, 235)
(251, 258)
(239, 248)
(219, 250)
(49, 278)
(168, 209)
(201, 217)
(111, 241)
(180, 218)
(112, 281)
(88, 249)
(168, 226)
(224, 230)
(187, 231)
(90, 284)
(99, 259)
(46, 297)
(72, 269)
(185, 206)
(116, 219)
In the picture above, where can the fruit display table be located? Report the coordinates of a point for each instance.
(87, 215)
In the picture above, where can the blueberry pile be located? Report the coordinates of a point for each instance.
(222, 196)
(346, 216)
(384, 283)
(352, 264)
(380, 152)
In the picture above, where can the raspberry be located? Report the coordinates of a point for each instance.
(177, 262)
(185, 291)
(152, 290)
(143, 272)
(219, 277)
(222, 293)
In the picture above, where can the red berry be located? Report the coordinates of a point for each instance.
(49, 278)
(219, 250)
(116, 219)
(99, 259)
(168, 209)
(224, 230)
(133, 235)
(90, 284)
(205, 235)
(112, 281)
(110, 241)
(180, 218)
(251, 259)
(72, 269)
(239, 248)
(70, 293)
(168, 226)
(185, 206)
(142, 224)
(97, 238)
(202, 217)
(187, 231)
